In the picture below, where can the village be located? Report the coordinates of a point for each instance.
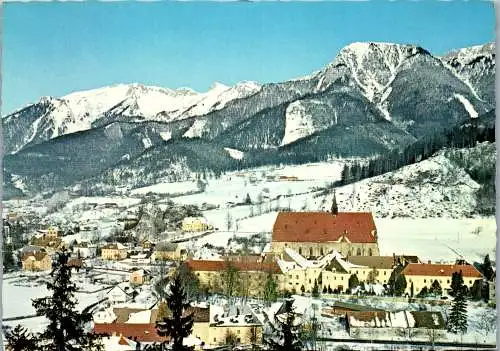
(328, 261)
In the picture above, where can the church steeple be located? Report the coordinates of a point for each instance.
(335, 209)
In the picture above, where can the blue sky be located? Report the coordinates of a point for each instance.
(56, 48)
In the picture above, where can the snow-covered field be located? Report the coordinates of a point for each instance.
(438, 238)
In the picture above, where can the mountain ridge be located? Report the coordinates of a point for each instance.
(372, 99)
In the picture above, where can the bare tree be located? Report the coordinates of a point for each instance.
(229, 220)
(487, 323)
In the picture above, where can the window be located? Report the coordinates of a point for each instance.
(358, 252)
(297, 277)
(215, 339)
(321, 251)
(370, 252)
(470, 281)
(385, 272)
(300, 251)
(309, 281)
(425, 281)
(238, 331)
(238, 340)
(311, 252)
(448, 281)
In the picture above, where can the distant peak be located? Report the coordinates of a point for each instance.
(218, 86)
(47, 99)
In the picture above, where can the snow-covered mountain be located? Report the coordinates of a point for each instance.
(476, 66)
(371, 100)
(52, 117)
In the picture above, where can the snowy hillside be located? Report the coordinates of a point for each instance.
(436, 187)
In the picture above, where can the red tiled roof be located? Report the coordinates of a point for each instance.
(440, 270)
(138, 332)
(244, 266)
(324, 227)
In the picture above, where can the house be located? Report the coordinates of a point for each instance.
(76, 263)
(382, 325)
(143, 333)
(36, 261)
(195, 224)
(126, 315)
(238, 322)
(420, 275)
(117, 294)
(339, 308)
(114, 251)
(84, 249)
(378, 269)
(147, 244)
(253, 272)
(167, 251)
(314, 234)
(50, 243)
(140, 277)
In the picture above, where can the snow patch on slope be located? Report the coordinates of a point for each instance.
(166, 135)
(298, 124)
(196, 129)
(467, 105)
(147, 143)
(236, 154)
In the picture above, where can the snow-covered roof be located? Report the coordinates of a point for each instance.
(118, 343)
(106, 316)
(140, 317)
(301, 261)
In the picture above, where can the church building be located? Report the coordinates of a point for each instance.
(314, 234)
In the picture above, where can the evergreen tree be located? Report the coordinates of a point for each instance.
(315, 289)
(335, 208)
(353, 281)
(288, 328)
(66, 329)
(457, 321)
(248, 200)
(8, 258)
(270, 289)
(457, 283)
(424, 292)
(400, 285)
(436, 288)
(178, 326)
(190, 282)
(231, 279)
(19, 339)
(486, 267)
